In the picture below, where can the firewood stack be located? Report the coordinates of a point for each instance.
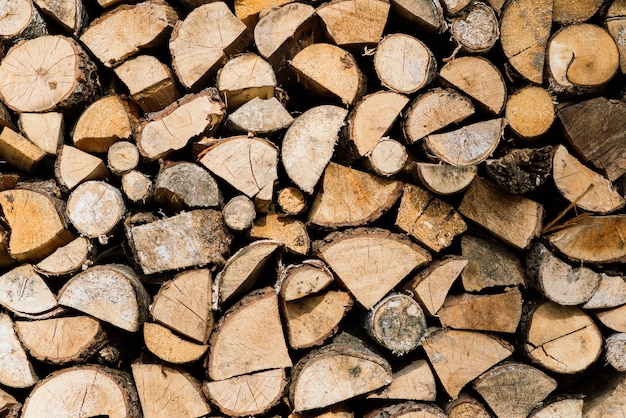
(379, 208)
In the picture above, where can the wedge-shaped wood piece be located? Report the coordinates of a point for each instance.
(445, 179)
(250, 394)
(370, 262)
(16, 370)
(566, 408)
(183, 185)
(458, 357)
(74, 166)
(453, 7)
(521, 170)
(490, 264)
(260, 116)
(289, 231)
(427, 14)
(429, 220)
(562, 339)
(95, 208)
(111, 293)
(172, 128)
(46, 130)
(248, 338)
(184, 304)
(249, 11)
(593, 239)
(465, 407)
(372, 117)
(170, 347)
(247, 164)
(557, 280)
(244, 77)
(66, 78)
(613, 318)
(476, 29)
(313, 319)
(414, 382)
(572, 179)
(354, 23)
(335, 373)
(242, 270)
(309, 143)
(167, 392)
(525, 26)
(468, 145)
(201, 42)
(72, 339)
(478, 78)
(299, 280)
(514, 389)
(611, 292)
(67, 259)
(89, 390)
(36, 225)
(18, 151)
(104, 122)
(328, 70)
(500, 312)
(512, 218)
(22, 290)
(530, 112)
(70, 14)
(350, 197)
(152, 21)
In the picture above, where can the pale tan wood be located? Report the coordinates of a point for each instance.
(23, 291)
(616, 9)
(168, 346)
(427, 14)
(593, 239)
(431, 285)
(248, 338)
(530, 112)
(514, 389)
(194, 238)
(311, 320)
(264, 199)
(580, 58)
(72, 339)
(244, 77)
(172, 128)
(46, 130)
(408, 410)
(354, 24)
(149, 82)
(9, 406)
(466, 407)
(559, 281)
(137, 187)
(613, 318)
(246, 395)
(309, 143)
(239, 213)
(458, 357)
(452, 7)
(562, 339)
(151, 20)
(525, 27)
(287, 230)
(434, 110)
(414, 382)
(335, 373)
(445, 179)
(242, 270)
(478, 78)
(404, 64)
(468, 145)
(18, 151)
(329, 71)
(372, 118)
(350, 197)
(96, 208)
(570, 407)
(617, 28)
(387, 158)
(615, 345)
(247, 164)
(37, 228)
(73, 167)
(476, 28)
(183, 185)
(429, 220)
(610, 293)
(370, 262)
(500, 312)
(340, 410)
(201, 43)
(5, 116)
(184, 304)
(89, 390)
(521, 170)
(70, 14)
(17, 370)
(291, 201)
(249, 12)
(122, 157)
(514, 219)
(260, 116)
(167, 392)
(111, 293)
(300, 280)
(20, 19)
(568, 11)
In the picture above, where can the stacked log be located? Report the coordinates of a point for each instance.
(381, 208)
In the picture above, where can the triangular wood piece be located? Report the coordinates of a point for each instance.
(354, 23)
(415, 382)
(287, 230)
(426, 14)
(18, 151)
(445, 179)
(67, 259)
(22, 290)
(74, 166)
(16, 370)
(170, 347)
(260, 116)
(299, 280)
(611, 292)
(46, 130)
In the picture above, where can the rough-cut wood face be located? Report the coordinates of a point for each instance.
(476, 28)
(170, 347)
(354, 23)
(414, 382)
(425, 13)
(22, 290)
(530, 112)
(274, 29)
(17, 370)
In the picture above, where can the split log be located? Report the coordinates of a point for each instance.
(291, 201)
(16, 370)
(476, 28)
(426, 14)
(466, 407)
(137, 187)
(567, 12)
(260, 117)
(530, 112)
(67, 259)
(122, 157)
(244, 77)
(111, 293)
(73, 167)
(70, 14)
(182, 185)
(25, 292)
(152, 21)
(297, 281)
(46, 130)
(202, 42)
(613, 318)
(616, 27)
(610, 293)
(9, 406)
(21, 20)
(445, 179)
(567, 407)
(239, 213)
(452, 7)
(370, 262)
(95, 208)
(387, 158)
(249, 12)
(615, 349)
(408, 409)
(289, 231)
(521, 170)
(414, 382)
(169, 347)
(19, 151)
(84, 391)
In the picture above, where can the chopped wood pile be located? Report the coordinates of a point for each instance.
(378, 208)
